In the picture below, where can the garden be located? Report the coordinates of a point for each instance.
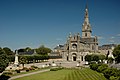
(66, 74)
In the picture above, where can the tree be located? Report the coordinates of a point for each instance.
(8, 51)
(102, 57)
(109, 72)
(21, 50)
(3, 60)
(28, 49)
(102, 68)
(95, 58)
(22, 60)
(42, 50)
(110, 60)
(94, 66)
(116, 53)
(88, 58)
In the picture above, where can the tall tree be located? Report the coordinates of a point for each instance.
(22, 60)
(28, 49)
(116, 54)
(42, 50)
(8, 51)
(88, 58)
(3, 60)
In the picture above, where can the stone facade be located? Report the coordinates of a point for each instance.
(76, 47)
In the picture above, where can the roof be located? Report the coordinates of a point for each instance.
(59, 47)
(92, 39)
(27, 52)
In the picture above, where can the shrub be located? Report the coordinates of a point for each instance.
(18, 71)
(27, 70)
(24, 68)
(109, 72)
(53, 69)
(94, 66)
(102, 67)
(31, 68)
(4, 77)
(35, 67)
(56, 69)
(7, 73)
(113, 78)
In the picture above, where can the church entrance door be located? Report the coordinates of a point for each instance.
(74, 57)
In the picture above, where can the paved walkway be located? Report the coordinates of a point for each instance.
(14, 77)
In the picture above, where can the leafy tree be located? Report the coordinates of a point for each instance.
(28, 49)
(88, 58)
(113, 78)
(8, 51)
(94, 66)
(102, 67)
(109, 72)
(95, 58)
(102, 57)
(110, 60)
(116, 53)
(42, 50)
(3, 60)
(22, 60)
(21, 50)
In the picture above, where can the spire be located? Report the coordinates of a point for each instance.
(86, 27)
(86, 15)
(86, 24)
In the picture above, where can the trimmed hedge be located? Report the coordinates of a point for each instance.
(35, 58)
(56, 69)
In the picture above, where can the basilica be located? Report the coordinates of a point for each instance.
(77, 47)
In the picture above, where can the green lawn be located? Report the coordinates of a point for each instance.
(66, 74)
(29, 71)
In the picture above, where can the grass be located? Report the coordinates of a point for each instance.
(50, 75)
(29, 71)
(66, 74)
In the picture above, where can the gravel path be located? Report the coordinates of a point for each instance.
(14, 77)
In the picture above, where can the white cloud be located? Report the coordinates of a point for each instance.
(100, 37)
(112, 41)
(118, 34)
(112, 37)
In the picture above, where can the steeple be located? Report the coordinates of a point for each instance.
(86, 15)
(86, 27)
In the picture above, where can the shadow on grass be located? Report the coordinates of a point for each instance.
(4, 77)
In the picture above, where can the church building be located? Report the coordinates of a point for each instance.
(77, 47)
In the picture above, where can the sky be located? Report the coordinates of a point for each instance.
(32, 23)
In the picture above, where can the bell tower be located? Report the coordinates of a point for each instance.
(86, 27)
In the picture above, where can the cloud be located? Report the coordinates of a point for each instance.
(112, 37)
(100, 37)
(118, 34)
(112, 41)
